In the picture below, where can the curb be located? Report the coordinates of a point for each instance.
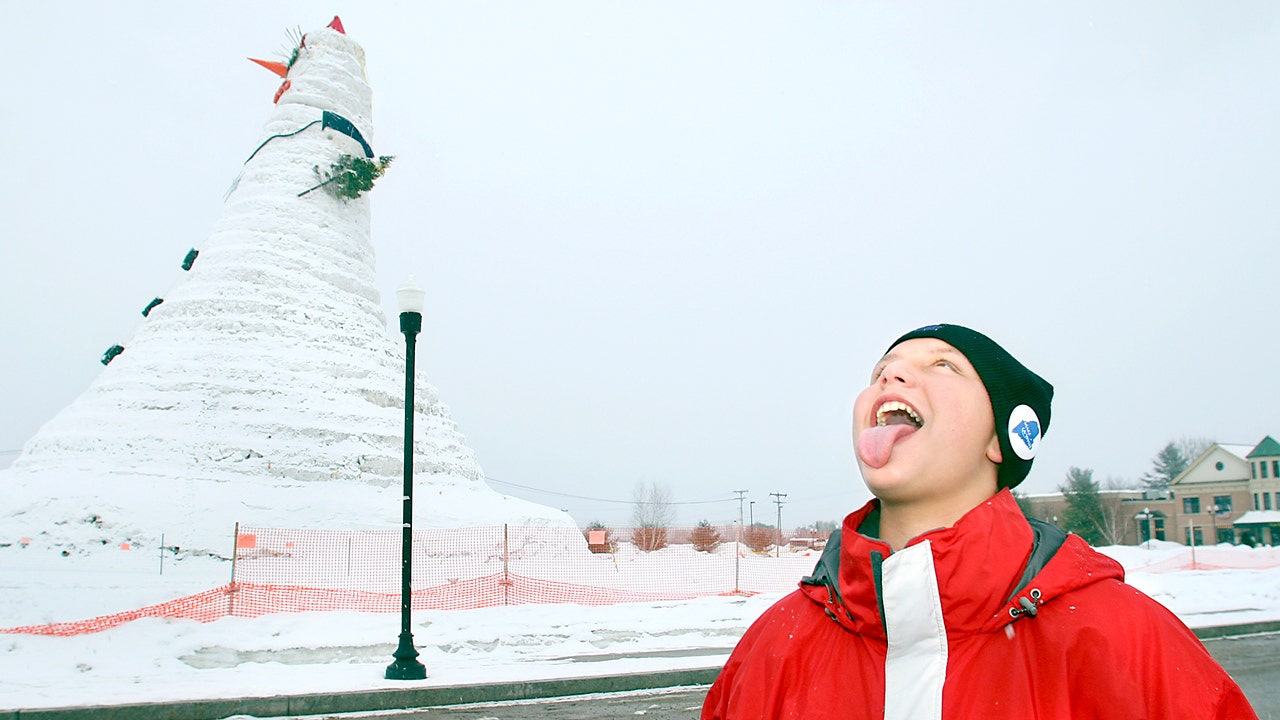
(371, 700)
(1219, 631)
(284, 706)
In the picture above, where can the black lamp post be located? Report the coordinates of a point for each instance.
(406, 665)
(1145, 516)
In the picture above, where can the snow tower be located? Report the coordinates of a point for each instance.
(265, 387)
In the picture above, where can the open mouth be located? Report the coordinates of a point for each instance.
(897, 413)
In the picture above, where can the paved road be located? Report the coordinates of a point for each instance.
(1254, 661)
(682, 704)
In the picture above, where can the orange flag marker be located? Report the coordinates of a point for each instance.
(337, 25)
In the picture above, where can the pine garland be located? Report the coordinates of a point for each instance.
(295, 37)
(350, 176)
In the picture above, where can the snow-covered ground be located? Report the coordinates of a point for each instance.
(264, 391)
(155, 659)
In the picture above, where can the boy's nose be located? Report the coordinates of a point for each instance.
(896, 371)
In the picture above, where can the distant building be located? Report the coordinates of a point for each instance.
(1228, 494)
(1120, 524)
(1262, 523)
(1212, 493)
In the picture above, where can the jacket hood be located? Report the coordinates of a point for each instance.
(993, 567)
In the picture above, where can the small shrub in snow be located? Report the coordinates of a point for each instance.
(599, 537)
(758, 538)
(649, 539)
(705, 537)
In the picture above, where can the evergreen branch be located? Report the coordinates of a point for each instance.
(350, 176)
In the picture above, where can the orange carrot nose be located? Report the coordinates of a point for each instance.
(278, 68)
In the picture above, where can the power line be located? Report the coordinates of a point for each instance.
(604, 500)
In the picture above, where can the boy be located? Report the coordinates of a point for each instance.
(938, 599)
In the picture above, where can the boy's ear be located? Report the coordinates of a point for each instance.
(993, 450)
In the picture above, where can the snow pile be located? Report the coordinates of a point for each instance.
(266, 386)
(1224, 585)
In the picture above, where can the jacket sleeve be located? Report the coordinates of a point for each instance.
(737, 676)
(1233, 704)
(796, 663)
(1146, 657)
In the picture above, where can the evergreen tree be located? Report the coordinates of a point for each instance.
(1084, 514)
(1167, 465)
(1024, 504)
(705, 537)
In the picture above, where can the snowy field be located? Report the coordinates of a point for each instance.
(154, 659)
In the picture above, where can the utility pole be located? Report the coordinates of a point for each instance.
(778, 499)
(741, 494)
(737, 551)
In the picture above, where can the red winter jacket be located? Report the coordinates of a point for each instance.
(936, 630)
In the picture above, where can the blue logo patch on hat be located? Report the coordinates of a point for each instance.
(1028, 430)
(1024, 432)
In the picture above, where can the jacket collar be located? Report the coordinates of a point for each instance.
(979, 563)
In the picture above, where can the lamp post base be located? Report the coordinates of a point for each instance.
(406, 666)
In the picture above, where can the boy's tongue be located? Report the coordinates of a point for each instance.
(875, 444)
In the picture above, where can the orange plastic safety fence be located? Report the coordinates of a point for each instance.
(625, 564)
(281, 570)
(206, 606)
(1217, 558)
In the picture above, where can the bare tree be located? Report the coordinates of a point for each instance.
(1115, 482)
(1099, 521)
(1112, 523)
(652, 514)
(1193, 447)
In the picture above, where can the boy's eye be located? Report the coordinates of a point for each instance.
(947, 364)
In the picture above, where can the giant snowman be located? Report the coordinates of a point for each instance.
(266, 388)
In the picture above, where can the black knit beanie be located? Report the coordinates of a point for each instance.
(1019, 398)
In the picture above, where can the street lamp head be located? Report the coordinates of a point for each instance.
(410, 296)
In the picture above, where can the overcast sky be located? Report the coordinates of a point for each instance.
(667, 240)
